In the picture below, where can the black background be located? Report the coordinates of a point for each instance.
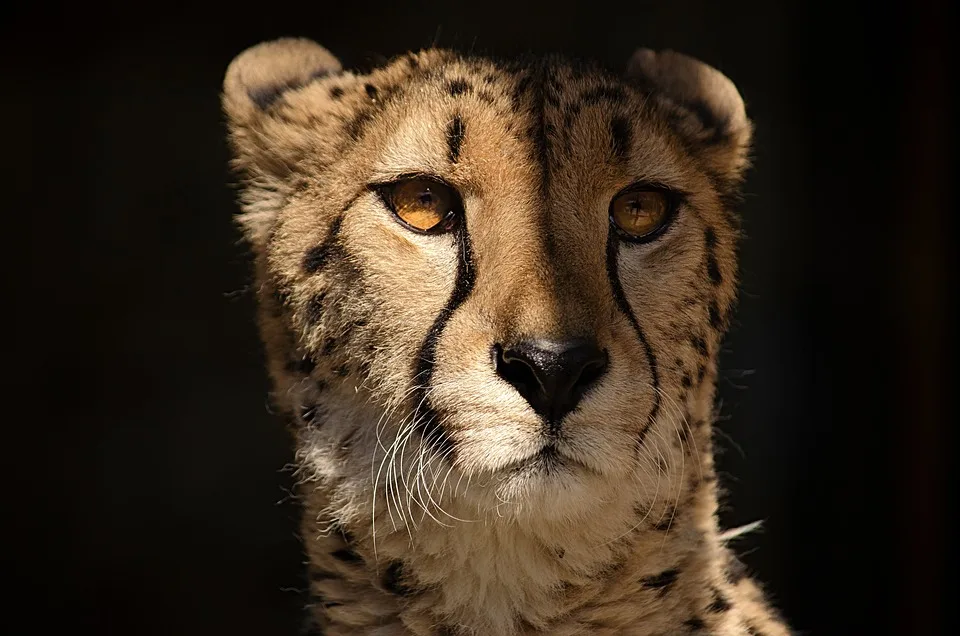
(146, 491)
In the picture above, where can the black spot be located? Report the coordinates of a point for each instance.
(486, 97)
(710, 238)
(316, 257)
(356, 126)
(393, 580)
(666, 521)
(371, 90)
(343, 370)
(720, 603)
(432, 430)
(685, 381)
(518, 90)
(753, 631)
(613, 249)
(713, 268)
(455, 134)
(701, 371)
(336, 93)
(700, 344)
(458, 87)
(620, 137)
(347, 555)
(412, 60)
(320, 386)
(316, 307)
(716, 321)
(662, 581)
(694, 623)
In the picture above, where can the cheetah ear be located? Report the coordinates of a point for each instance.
(267, 148)
(260, 75)
(703, 104)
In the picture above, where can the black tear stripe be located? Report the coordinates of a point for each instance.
(455, 133)
(613, 250)
(432, 430)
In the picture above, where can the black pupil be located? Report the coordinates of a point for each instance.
(636, 204)
(426, 198)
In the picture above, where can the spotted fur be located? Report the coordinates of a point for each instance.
(431, 506)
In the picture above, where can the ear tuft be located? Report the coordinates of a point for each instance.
(703, 102)
(260, 75)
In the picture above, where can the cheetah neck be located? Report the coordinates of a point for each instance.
(490, 577)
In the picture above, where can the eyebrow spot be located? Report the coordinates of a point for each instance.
(455, 134)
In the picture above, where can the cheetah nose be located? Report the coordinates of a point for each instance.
(551, 376)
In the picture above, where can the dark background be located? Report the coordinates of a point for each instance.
(146, 491)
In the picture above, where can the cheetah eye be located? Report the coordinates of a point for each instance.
(641, 213)
(422, 204)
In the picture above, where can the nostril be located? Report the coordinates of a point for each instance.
(517, 371)
(592, 371)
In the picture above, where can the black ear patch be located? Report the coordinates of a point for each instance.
(265, 96)
(260, 75)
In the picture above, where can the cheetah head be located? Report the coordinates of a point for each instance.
(500, 284)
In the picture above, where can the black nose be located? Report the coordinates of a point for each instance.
(551, 376)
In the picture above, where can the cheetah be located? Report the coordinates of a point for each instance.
(491, 295)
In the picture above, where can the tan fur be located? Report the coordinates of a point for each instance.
(408, 536)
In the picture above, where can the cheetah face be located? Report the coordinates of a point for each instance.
(516, 274)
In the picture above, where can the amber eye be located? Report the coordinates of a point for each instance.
(423, 204)
(642, 213)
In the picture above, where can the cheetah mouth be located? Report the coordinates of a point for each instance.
(549, 460)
